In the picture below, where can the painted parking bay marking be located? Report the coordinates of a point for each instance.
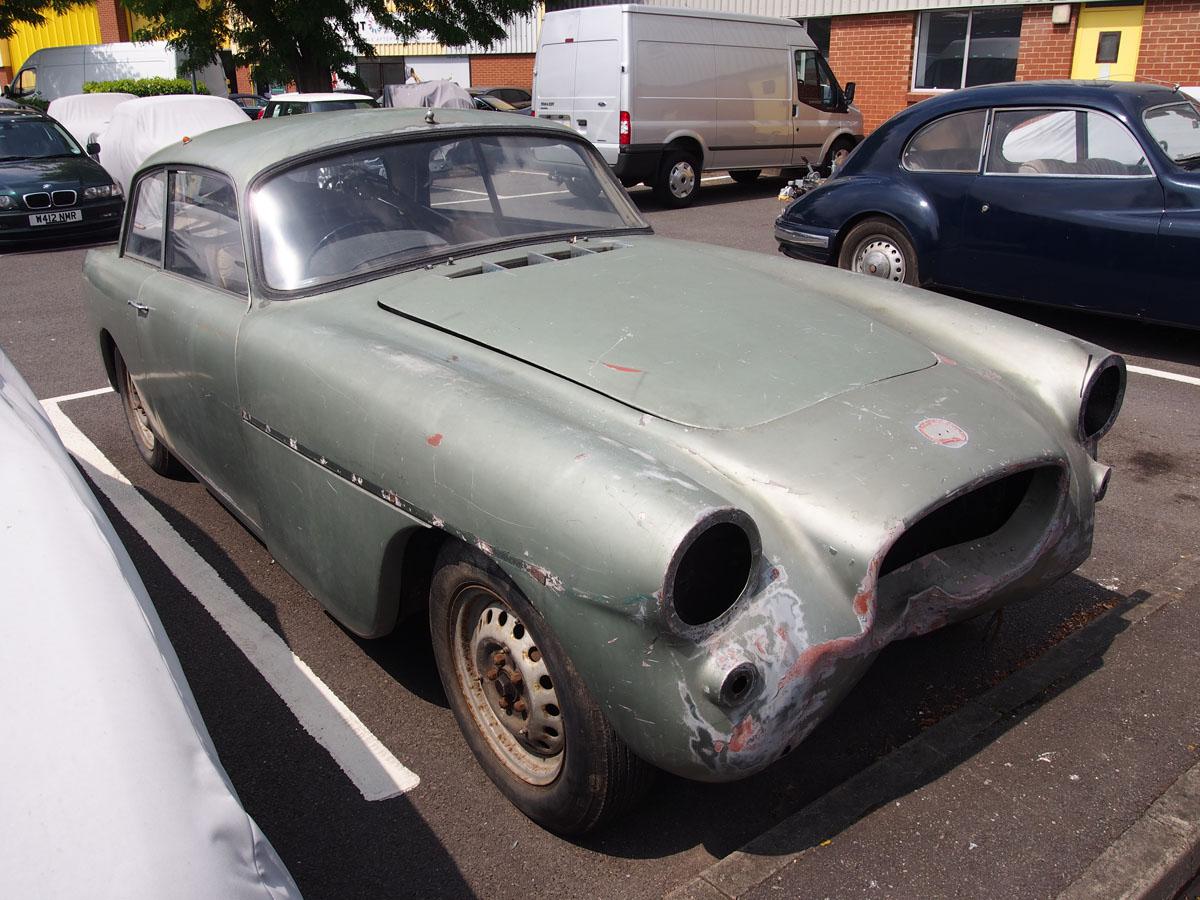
(360, 754)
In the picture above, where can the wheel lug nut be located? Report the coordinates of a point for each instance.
(519, 706)
(515, 677)
(502, 703)
(492, 674)
(499, 657)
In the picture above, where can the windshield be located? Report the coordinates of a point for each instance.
(377, 208)
(1176, 128)
(22, 138)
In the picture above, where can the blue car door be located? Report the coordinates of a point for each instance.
(1066, 211)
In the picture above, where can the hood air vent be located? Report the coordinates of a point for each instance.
(537, 259)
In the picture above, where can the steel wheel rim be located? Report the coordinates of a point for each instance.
(496, 661)
(880, 257)
(682, 179)
(137, 413)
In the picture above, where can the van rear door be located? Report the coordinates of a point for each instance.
(578, 74)
(596, 113)
(554, 75)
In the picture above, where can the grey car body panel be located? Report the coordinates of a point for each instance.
(417, 404)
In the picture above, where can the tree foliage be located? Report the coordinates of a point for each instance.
(30, 12)
(306, 40)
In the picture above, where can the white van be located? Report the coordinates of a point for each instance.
(54, 72)
(665, 93)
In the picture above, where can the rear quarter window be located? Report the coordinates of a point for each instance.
(953, 143)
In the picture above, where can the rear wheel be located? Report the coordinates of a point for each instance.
(527, 716)
(838, 151)
(746, 176)
(678, 178)
(152, 450)
(880, 248)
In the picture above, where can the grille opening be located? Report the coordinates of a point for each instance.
(972, 516)
(38, 200)
(712, 573)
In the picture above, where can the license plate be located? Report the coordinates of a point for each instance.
(56, 218)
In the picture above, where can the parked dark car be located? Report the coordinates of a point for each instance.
(49, 187)
(515, 96)
(1079, 194)
(253, 104)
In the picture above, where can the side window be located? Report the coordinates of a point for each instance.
(950, 144)
(144, 240)
(26, 83)
(205, 239)
(1063, 142)
(815, 85)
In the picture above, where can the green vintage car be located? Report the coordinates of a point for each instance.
(662, 503)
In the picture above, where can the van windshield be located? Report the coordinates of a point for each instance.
(378, 208)
(29, 138)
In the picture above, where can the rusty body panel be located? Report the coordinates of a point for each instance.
(903, 460)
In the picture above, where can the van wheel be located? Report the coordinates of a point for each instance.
(838, 152)
(678, 178)
(531, 722)
(746, 176)
(880, 248)
(149, 447)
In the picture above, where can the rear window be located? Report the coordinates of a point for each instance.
(377, 208)
(951, 144)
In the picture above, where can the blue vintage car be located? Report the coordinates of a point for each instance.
(1080, 194)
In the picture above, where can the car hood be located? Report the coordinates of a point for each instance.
(23, 175)
(663, 327)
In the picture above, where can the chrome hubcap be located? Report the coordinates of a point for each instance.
(509, 690)
(682, 179)
(880, 258)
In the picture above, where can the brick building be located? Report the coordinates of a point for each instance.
(899, 52)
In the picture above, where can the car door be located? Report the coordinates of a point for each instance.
(816, 101)
(1066, 211)
(188, 334)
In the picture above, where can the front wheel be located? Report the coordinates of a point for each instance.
(880, 248)
(152, 450)
(526, 714)
(678, 178)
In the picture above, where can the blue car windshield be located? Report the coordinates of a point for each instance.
(1176, 128)
(29, 138)
(386, 206)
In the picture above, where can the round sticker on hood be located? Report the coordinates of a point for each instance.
(942, 432)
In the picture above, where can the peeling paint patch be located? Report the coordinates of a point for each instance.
(742, 735)
(942, 432)
(434, 440)
(617, 368)
(540, 575)
(485, 547)
(580, 456)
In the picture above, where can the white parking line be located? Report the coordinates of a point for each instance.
(1169, 376)
(359, 753)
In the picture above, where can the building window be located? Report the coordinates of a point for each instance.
(961, 48)
(1108, 48)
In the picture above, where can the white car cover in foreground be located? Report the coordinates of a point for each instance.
(86, 116)
(112, 787)
(142, 127)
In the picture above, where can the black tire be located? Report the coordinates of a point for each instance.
(894, 259)
(589, 775)
(152, 450)
(678, 178)
(746, 176)
(839, 148)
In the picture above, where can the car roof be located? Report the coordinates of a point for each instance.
(318, 97)
(21, 112)
(1113, 96)
(243, 151)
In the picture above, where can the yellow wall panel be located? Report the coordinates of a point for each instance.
(79, 25)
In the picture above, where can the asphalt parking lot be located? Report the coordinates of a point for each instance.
(453, 834)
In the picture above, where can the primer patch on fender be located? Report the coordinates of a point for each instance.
(942, 432)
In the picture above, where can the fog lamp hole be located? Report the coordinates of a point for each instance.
(712, 573)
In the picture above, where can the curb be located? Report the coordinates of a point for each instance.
(1166, 839)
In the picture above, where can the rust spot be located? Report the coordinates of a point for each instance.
(742, 735)
(774, 574)
(862, 602)
(579, 456)
(945, 360)
(617, 368)
(434, 440)
(782, 631)
(718, 746)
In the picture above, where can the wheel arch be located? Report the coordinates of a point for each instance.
(924, 236)
(689, 141)
(108, 353)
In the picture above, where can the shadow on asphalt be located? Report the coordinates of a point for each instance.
(713, 194)
(55, 245)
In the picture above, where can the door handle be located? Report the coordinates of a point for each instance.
(142, 311)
